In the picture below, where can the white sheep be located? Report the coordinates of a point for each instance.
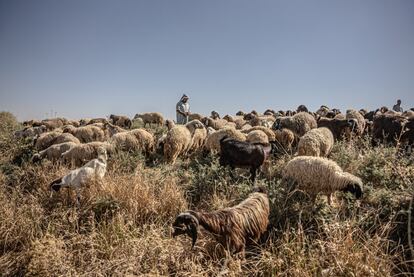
(257, 136)
(179, 140)
(87, 133)
(321, 175)
(94, 169)
(81, 153)
(317, 142)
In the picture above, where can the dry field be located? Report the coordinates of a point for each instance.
(123, 225)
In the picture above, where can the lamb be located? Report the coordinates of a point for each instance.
(235, 227)
(179, 140)
(321, 175)
(257, 136)
(213, 140)
(86, 134)
(53, 152)
(243, 154)
(94, 169)
(98, 120)
(81, 153)
(299, 124)
(353, 114)
(317, 142)
(150, 118)
(121, 121)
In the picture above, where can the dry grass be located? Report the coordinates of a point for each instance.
(122, 226)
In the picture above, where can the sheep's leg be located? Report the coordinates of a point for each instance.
(329, 196)
(253, 174)
(77, 197)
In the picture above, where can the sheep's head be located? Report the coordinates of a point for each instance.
(186, 223)
(68, 129)
(277, 125)
(240, 113)
(169, 123)
(112, 116)
(355, 189)
(215, 115)
(102, 154)
(354, 185)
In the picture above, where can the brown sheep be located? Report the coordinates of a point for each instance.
(234, 227)
(338, 127)
(121, 121)
(151, 118)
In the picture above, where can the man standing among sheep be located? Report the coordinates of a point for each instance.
(397, 107)
(183, 110)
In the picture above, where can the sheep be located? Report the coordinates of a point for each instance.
(215, 115)
(125, 141)
(30, 131)
(170, 124)
(194, 116)
(321, 175)
(145, 139)
(302, 108)
(84, 121)
(199, 138)
(299, 124)
(111, 130)
(234, 227)
(270, 134)
(388, 128)
(338, 127)
(81, 153)
(212, 143)
(98, 120)
(179, 140)
(94, 169)
(269, 112)
(323, 111)
(264, 120)
(217, 123)
(257, 136)
(86, 134)
(238, 120)
(53, 152)
(45, 140)
(32, 123)
(54, 123)
(121, 121)
(353, 114)
(240, 113)
(243, 154)
(285, 138)
(150, 118)
(317, 142)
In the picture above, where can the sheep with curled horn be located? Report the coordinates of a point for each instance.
(234, 227)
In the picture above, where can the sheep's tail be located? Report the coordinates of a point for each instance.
(56, 184)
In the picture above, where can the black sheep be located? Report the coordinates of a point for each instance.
(243, 154)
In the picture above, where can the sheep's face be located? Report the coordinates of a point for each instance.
(186, 223)
(278, 124)
(355, 189)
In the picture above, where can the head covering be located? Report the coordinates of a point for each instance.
(183, 97)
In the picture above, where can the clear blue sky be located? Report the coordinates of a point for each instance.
(87, 58)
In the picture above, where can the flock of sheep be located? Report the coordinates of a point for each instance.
(243, 140)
